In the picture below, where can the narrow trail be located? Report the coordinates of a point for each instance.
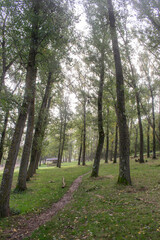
(27, 226)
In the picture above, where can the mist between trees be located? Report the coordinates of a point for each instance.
(109, 71)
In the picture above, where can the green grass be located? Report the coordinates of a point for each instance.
(101, 209)
(44, 189)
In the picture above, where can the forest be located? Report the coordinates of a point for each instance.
(79, 83)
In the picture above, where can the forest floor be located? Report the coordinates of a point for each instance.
(26, 226)
(100, 209)
(43, 199)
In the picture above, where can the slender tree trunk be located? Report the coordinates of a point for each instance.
(107, 138)
(107, 147)
(111, 153)
(95, 169)
(3, 135)
(137, 96)
(135, 146)
(21, 184)
(148, 142)
(41, 137)
(70, 152)
(154, 124)
(39, 128)
(150, 122)
(84, 134)
(124, 170)
(140, 130)
(116, 145)
(13, 152)
(60, 142)
(63, 142)
(80, 151)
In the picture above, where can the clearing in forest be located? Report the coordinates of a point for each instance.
(101, 209)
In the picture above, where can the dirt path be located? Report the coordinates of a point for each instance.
(27, 226)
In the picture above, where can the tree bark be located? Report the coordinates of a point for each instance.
(60, 141)
(148, 142)
(63, 137)
(70, 151)
(153, 122)
(3, 135)
(41, 137)
(135, 145)
(95, 169)
(111, 152)
(107, 138)
(80, 151)
(21, 184)
(40, 125)
(116, 145)
(124, 170)
(84, 133)
(140, 129)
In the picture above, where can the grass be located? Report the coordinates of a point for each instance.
(101, 209)
(44, 189)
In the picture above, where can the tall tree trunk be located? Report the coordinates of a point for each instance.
(153, 123)
(21, 184)
(39, 128)
(60, 141)
(137, 97)
(84, 133)
(13, 152)
(41, 137)
(140, 129)
(95, 169)
(107, 138)
(124, 170)
(148, 142)
(135, 145)
(70, 152)
(63, 142)
(3, 135)
(80, 151)
(111, 152)
(116, 145)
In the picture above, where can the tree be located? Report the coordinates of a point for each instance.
(124, 170)
(40, 16)
(98, 41)
(107, 137)
(64, 110)
(115, 144)
(30, 81)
